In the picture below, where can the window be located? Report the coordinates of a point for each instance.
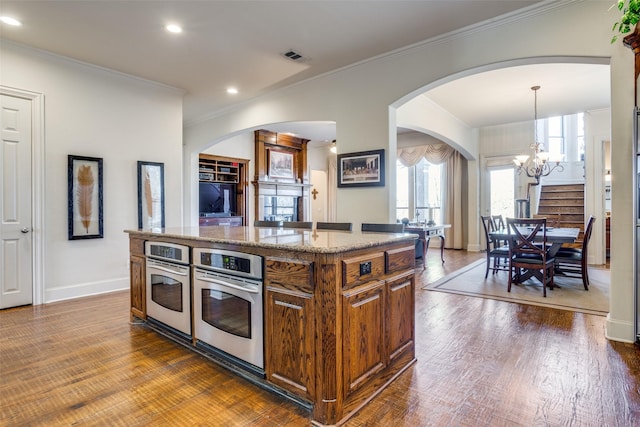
(555, 136)
(419, 192)
(563, 135)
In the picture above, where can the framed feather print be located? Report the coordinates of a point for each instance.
(150, 195)
(85, 197)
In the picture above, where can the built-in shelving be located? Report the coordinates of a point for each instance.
(222, 175)
(213, 169)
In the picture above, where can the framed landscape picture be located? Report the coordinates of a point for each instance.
(280, 164)
(84, 178)
(150, 195)
(362, 169)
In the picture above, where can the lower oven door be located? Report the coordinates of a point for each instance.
(168, 297)
(228, 315)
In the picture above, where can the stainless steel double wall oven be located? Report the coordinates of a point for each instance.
(227, 295)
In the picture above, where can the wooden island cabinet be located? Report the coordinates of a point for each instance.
(338, 309)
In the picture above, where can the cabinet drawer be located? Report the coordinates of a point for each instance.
(289, 274)
(362, 269)
(434, 233)
(400, 259)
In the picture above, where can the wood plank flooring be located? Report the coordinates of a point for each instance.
(480, 363)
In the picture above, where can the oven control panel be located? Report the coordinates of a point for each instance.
(238, 263)
(167, 252)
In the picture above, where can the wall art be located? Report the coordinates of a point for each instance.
(150, 195)
(85, 197)
(280, 164)
(362, 169)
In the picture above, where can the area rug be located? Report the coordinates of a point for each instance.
(569, 294)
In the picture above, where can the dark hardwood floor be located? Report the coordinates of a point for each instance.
(480, 363)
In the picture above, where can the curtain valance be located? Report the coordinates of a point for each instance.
(433, 153)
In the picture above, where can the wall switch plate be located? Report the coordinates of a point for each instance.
(365, 268)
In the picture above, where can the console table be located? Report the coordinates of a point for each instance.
(425, 233)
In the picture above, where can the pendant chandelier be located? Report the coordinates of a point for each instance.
(539, 163)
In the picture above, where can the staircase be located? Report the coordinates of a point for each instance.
(563, 204)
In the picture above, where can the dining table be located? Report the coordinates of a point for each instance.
(556, 237)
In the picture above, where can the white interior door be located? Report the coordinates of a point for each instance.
(16, 281)
(318, 195)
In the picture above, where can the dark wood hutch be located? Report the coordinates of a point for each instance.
(292, 191)
(218, 173)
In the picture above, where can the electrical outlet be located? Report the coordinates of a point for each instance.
(365, 268)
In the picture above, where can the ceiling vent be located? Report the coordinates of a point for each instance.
(294, 56)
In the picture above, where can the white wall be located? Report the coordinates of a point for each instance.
(362, 100)
(423, 115)
(94, 112)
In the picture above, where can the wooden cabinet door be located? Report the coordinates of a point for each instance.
(363, 326)
(401, 298)
(289, 340)
(289, 326)
(137, 286)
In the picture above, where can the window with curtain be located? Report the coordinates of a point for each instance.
(419, 191)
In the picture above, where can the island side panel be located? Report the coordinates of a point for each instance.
(137, 278)
(372, 307)
(360, 296)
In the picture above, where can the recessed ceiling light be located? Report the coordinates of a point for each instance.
(173, 28)
(10, 21)
(232, 90)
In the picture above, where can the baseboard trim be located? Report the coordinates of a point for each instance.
(85, 289)
(618, 330)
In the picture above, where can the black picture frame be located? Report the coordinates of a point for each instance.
(150, 195)
(85, 197)
(361, 169)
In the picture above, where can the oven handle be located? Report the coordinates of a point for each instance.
(228, 285)
(168, 270)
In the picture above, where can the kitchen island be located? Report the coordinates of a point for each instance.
(338, 307)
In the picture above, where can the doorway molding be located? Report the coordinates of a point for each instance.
(38, 184)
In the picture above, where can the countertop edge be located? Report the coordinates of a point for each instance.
(391, 238)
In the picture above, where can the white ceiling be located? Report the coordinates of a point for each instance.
(505, 95)
(239, 43)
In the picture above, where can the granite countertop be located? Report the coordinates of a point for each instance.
(317, 241)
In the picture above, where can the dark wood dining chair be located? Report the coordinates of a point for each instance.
(340, 226)
(528, 252)
(260, 223)
(498, 221)
(572, 262)
(496, 253)
(499, 224)
(383, 228)
(307, 225)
